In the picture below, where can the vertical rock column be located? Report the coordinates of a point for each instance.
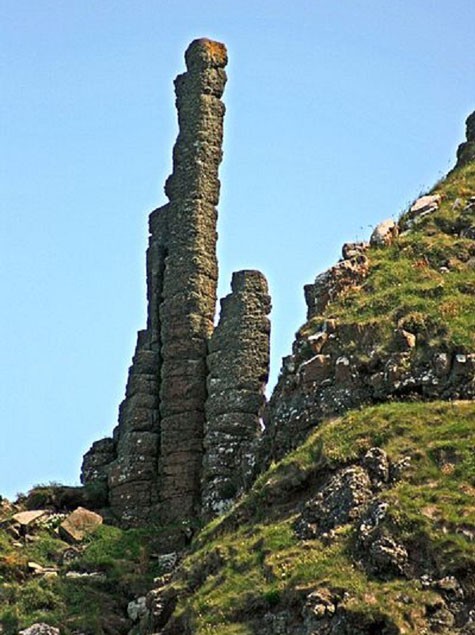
(238, 363)
(187, 309)
(128, 462)
(466, 150)
(132, 476)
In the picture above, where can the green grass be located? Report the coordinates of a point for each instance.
(243, 565)
(405, 284)
(124, 557)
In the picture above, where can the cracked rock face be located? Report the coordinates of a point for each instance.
(340, 501)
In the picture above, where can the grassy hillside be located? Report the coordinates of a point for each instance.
(250, 568)
(425, 280)
(83, 587)
(322, 546)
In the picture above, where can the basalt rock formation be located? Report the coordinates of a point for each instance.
(194, 428)
(466, 150)
(168, 424)
(364, 521)
(238, 363)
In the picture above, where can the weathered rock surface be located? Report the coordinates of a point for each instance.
(29, 517)
(238, 363)
(40, 629)
(79, 524)
(466, 150)
(153, 463)
(347, 273)
(350, 370)
(340, 501)
(384, 233)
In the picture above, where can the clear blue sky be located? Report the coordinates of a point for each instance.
(338, 114)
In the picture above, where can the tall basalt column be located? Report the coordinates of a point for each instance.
(152, 465)
(188, 300)
(238, 363)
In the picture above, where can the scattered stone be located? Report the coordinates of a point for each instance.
(167, 561)
(79, 524)
(29, 518)
(39, 570)
(87, 576)
(137, 608)
(424, 205)
(40, 629)
(384, 234)
(320, 604)
(376, 462)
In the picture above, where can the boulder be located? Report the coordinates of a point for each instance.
(425, 205)
(384, 233)
(137, 608)
(40, 629)
(168, 561)
(29, 518)
(79, 524)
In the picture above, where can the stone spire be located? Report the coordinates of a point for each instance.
(238, 364)
(152, 466)
(187, 301)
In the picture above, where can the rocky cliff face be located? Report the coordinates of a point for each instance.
(390, 321)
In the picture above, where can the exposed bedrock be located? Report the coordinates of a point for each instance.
(238, 364)
(466, 150)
